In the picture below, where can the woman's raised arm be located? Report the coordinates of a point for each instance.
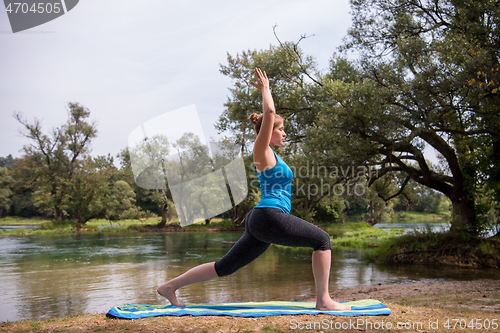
(264, 137)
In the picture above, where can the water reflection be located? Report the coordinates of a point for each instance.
(45, 277)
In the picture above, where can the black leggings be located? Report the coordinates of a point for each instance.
(264, 226)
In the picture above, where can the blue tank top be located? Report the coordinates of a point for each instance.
(276, 186)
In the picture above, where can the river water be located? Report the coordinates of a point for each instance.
(50, 276)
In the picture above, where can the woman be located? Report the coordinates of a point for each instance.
(269, 221)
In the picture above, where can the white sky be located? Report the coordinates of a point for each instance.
(130, 61)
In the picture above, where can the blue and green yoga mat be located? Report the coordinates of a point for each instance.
(367, 307)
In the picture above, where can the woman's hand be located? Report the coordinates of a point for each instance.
(262, 80)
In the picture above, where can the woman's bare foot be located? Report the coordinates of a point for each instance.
(331, 305)
(168, 292)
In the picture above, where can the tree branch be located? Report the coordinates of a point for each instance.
(296, 57)
(400, 190)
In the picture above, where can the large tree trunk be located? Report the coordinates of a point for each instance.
(462, 197)
(463, 215)
(166, 211)
(163, 215)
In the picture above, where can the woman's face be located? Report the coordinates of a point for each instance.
(278, 136)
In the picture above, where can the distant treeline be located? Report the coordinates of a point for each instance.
(57, 178)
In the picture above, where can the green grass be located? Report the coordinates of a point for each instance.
(407, 216)
(418, 216)
(355, 235)
(49, 227)
(16, 220)
(359, 235)
(219, 223)
(95, 223)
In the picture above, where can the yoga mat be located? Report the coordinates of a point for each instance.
(367, 307)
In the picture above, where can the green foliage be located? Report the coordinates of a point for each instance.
(6, 183)
(487, 210)
(351, 120)
(57, 174)
(16, 220)
(359, 235)
(87, 189)
(56, 225)
(295, 100)
(426, 200)
(7, 162)
(356, 206)
(53, 159)
(287, 83)
(120, 203)
(23, 187)
(426, 75)
(330, 210)
(485, 247)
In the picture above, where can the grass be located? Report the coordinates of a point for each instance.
(49, 227)
(355, 235)
(16, 220)
(418, 216)
(407, 216)
(360, 235)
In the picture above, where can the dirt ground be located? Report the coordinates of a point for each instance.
(488, 301)
(459, 306)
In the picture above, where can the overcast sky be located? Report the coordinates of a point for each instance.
(130, 61)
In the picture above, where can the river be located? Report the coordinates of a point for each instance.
(57, 276)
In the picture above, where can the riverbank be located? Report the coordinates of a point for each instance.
(428, 248)
(417, 307)
(347, 234)
(37, 226)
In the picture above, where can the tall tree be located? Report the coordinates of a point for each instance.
(427, 75)
(55, 158)
(287, 82)
(88, 187)
(295, 99)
